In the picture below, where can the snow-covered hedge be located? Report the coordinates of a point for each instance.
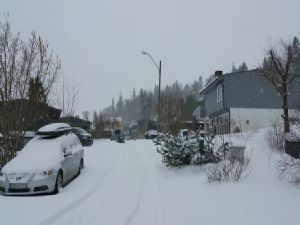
(178, 151)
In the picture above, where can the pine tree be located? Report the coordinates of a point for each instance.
(233, 70)
(36, 91)
(265, 63)
(120, 105)
(38, 107)
(296, 47)
(100, 123)
(243, 67)
(86, 115)
(200, 82)
(113, 109)
(95, 118)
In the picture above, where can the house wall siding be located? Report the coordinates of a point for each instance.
(252, 118)
(211, 104)
(251, 90)
(294, 90)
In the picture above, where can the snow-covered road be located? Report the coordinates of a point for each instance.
(126, 184)
(117, 178)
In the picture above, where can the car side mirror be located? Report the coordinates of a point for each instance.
(67, 152)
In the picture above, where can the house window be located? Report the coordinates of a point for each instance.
(220, 93)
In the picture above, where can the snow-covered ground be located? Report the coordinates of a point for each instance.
(126, 184)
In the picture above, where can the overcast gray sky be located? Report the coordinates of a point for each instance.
(100, 41)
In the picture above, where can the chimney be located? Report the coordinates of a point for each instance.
(218, 73)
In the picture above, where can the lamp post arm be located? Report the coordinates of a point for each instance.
(146, 53)
(153, 61)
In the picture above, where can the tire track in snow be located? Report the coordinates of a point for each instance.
(149, 186)
(138, 201)
(153, 187)
(157, 190)
(156, 177)
(100, 213)
(79, 201)
(159, 209)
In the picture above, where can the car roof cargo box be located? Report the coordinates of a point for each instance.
(54, 129)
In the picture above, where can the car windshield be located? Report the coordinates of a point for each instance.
(81, 131)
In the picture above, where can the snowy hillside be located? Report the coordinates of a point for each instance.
(128, 184)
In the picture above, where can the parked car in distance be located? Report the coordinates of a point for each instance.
(48, 162)
(186, 134)
(118, 136)
(151, 134)
(85, 138)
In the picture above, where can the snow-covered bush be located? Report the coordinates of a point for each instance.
(228, 171)
(289, 167)
(275, 137)
(178, 151)
(175, 151)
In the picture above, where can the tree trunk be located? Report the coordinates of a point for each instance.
(286, 114)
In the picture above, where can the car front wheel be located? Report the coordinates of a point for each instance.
(80, 166)
(58, 183)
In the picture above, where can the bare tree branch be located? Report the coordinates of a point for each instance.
(279, 71)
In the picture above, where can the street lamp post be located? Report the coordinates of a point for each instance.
(159, 83)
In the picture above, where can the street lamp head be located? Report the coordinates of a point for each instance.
(145, 53)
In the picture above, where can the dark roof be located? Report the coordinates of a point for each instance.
(220, 78)
(76, 122)
(53, 112)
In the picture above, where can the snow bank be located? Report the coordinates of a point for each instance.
(128, 184)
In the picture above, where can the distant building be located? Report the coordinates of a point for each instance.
(242, 101)
(113, 123)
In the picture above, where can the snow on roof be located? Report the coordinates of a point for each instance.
(54, 127)
(206, 86)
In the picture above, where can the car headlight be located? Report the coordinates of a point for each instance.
(47, 172)
(2, 177)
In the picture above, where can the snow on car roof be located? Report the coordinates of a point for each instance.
(54, 127)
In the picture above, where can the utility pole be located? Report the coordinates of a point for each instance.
(159, 87)
(159, 83)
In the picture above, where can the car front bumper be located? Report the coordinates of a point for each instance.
(36, 184)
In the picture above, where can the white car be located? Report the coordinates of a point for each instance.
(49, 161)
